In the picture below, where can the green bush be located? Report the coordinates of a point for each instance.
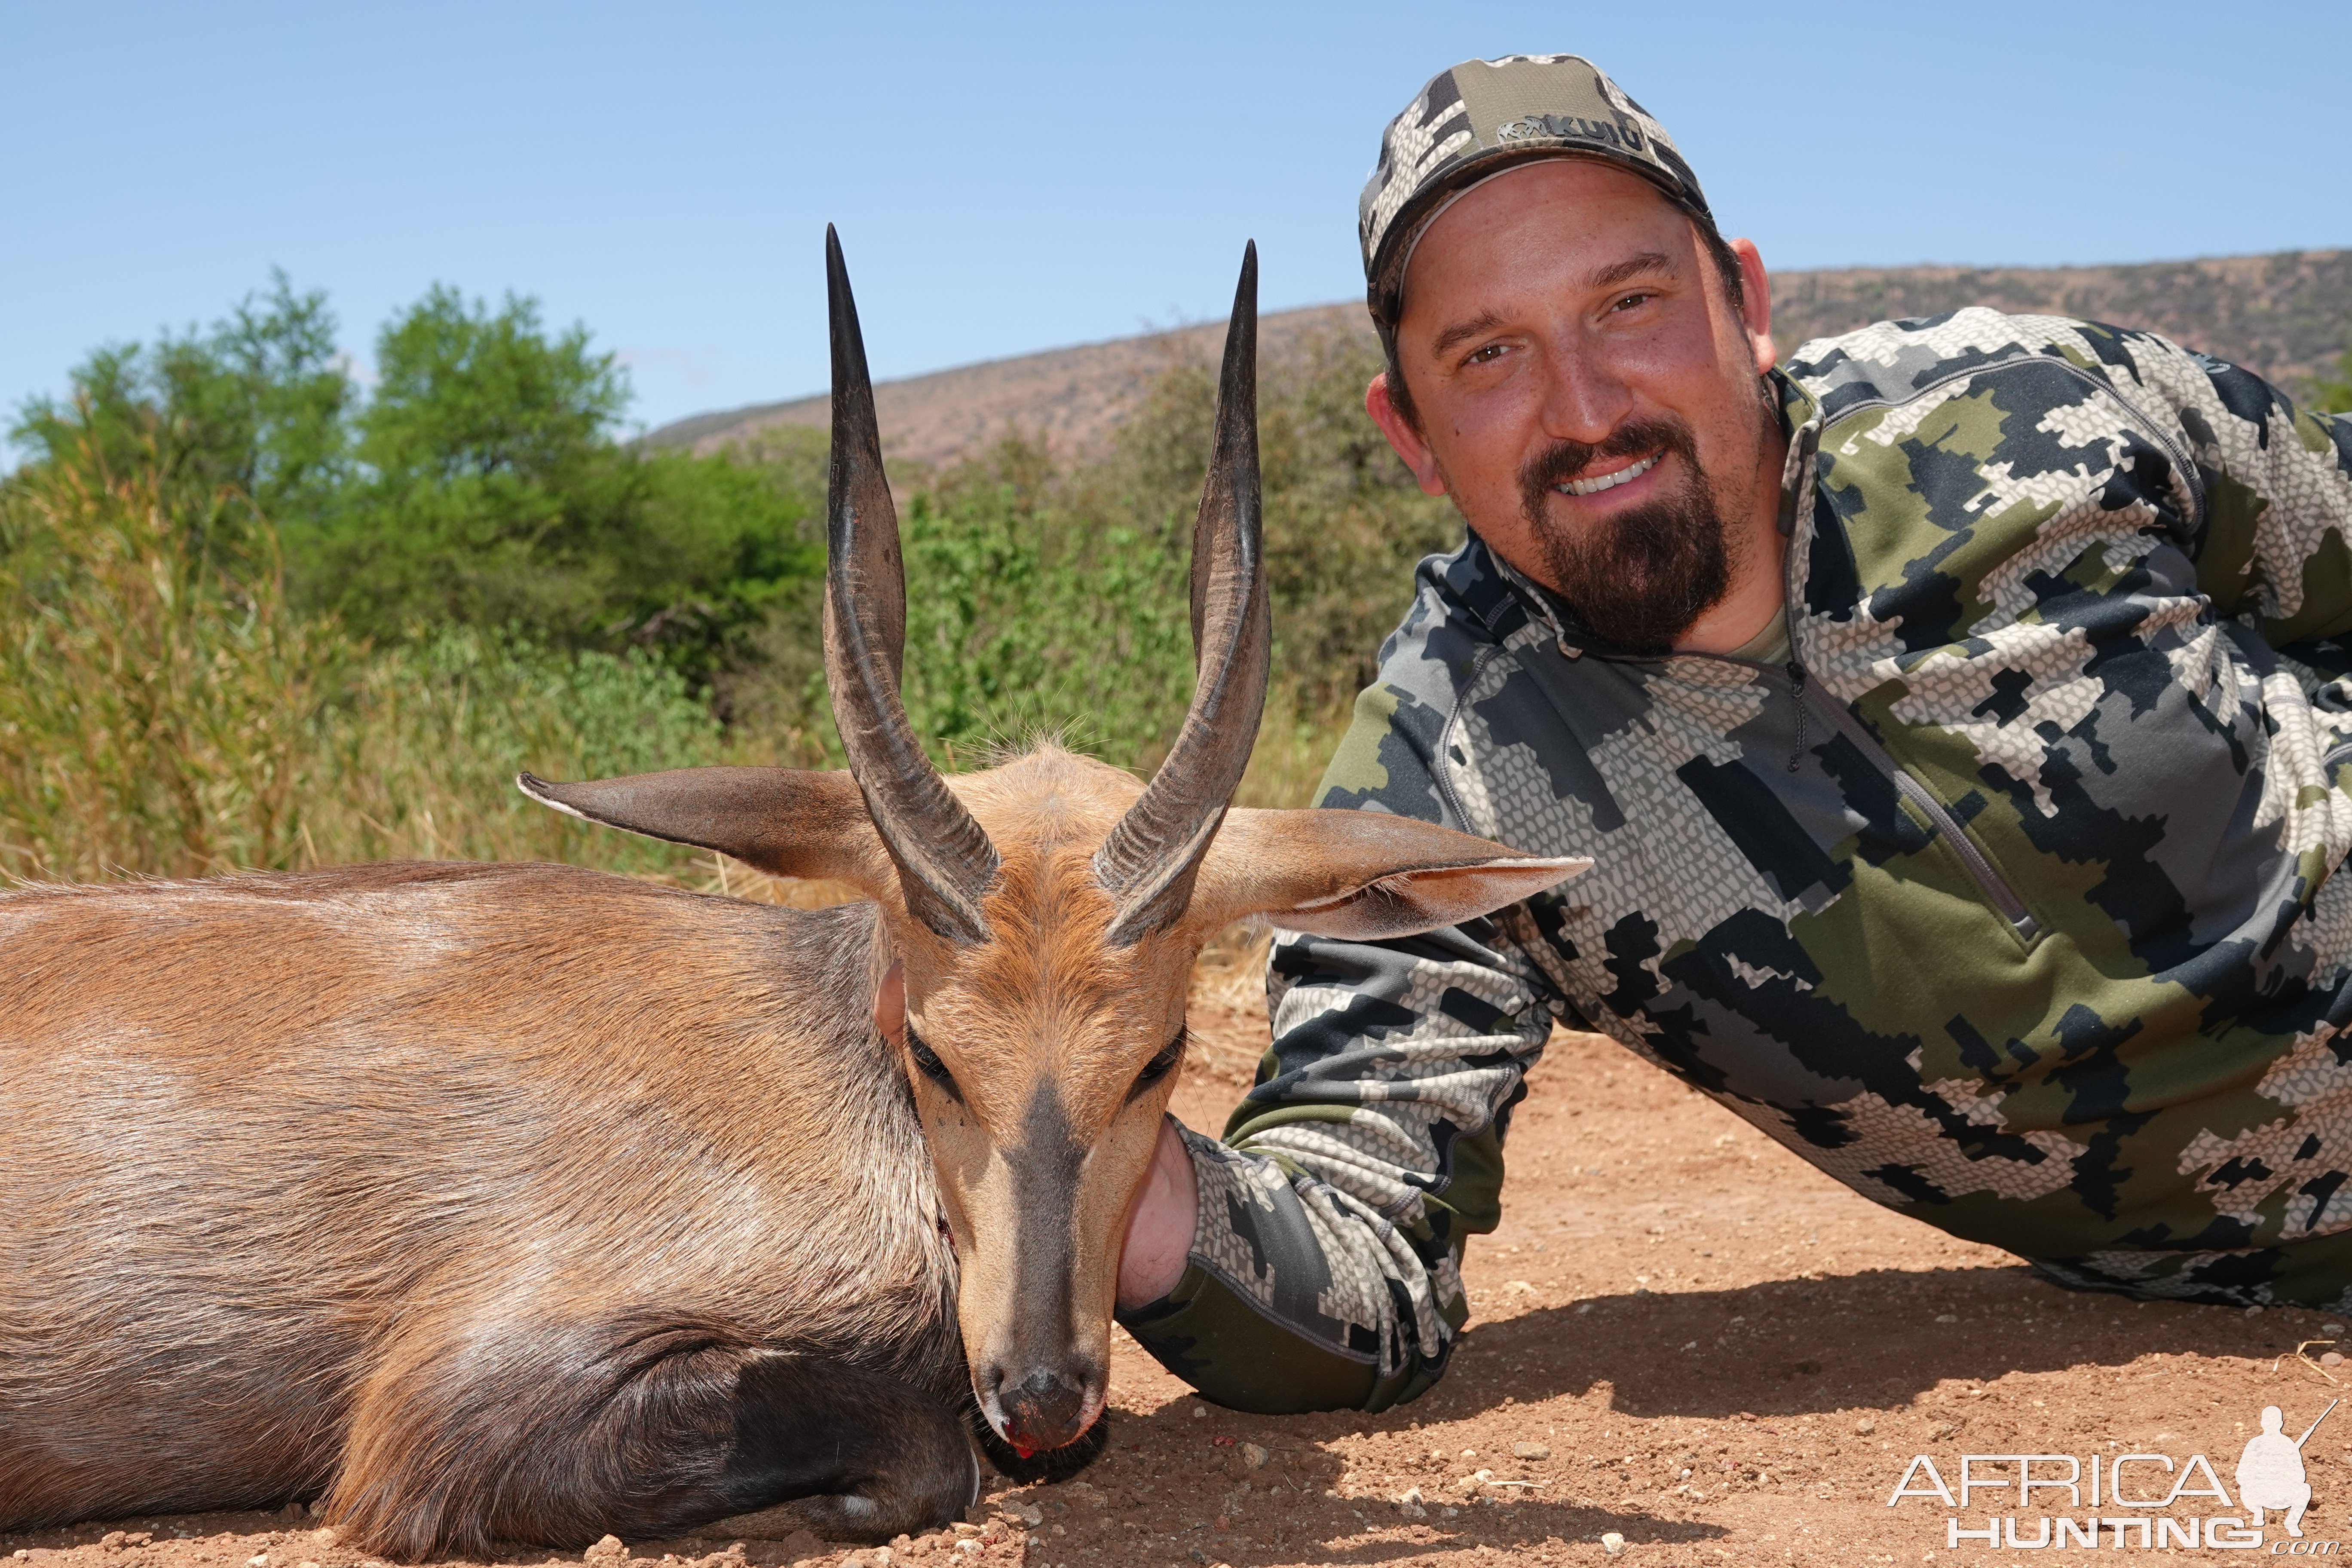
(163, 712)
(480, 483)
(158, 707)
(478, 578)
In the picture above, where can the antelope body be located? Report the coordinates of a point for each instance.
(529, 1203)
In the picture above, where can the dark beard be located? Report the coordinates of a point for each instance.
(1641, 578)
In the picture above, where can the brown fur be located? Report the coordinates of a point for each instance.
(507, 1200)
(278, 1148)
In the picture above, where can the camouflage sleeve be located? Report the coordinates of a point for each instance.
(1325, 1270)
(2276, 540)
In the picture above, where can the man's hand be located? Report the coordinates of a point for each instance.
(1160, 1227)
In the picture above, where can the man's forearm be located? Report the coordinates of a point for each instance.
(1294, 1296)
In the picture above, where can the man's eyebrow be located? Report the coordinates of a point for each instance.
(1632, 267)
(1462, 332)
(1639, 265)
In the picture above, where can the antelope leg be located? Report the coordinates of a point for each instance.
(556, 1435)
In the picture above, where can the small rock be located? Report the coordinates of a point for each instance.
(1410, 1504)
(1255, 1457)
(1613, 1544)
(1529, 1451)
(1519, 1287)
(2253, 1311)
(318, 1507)
(259, 1559)
(969, 1547)
(2332, 1358)
(882, 1557)
(111, 1541)
(1027, 1515)
(608, 1547)
(1948, 1316)
(2331, 1327)
(961, 1528)
(1866, 1426)
(1200, 1413)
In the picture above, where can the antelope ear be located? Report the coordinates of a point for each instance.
(1364, 875)
(787, 822)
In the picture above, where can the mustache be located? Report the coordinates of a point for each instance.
(1563, 461)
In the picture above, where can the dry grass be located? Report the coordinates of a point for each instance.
(157, 708)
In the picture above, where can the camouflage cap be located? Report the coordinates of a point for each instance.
(1483, 116)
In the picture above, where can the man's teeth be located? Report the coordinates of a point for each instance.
(1608, 481)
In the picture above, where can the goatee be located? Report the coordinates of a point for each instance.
(1640, 577)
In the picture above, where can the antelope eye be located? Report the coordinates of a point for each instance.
(1159, 1067)
(928, 1063)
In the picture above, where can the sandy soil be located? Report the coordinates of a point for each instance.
(1682, 1336)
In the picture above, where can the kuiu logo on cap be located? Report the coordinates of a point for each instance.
(1572, 128)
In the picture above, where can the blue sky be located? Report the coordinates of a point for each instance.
(1012, 178)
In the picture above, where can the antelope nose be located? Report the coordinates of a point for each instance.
(1045, 1410)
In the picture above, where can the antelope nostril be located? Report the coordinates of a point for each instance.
(1045, 1410)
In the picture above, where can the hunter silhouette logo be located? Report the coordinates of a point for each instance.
(2142, 1501)
(2270, 1472)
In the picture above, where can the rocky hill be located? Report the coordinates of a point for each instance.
(2288, 316)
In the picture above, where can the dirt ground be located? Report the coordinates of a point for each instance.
(1682, 1336)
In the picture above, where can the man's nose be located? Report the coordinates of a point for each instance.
(1584, 399)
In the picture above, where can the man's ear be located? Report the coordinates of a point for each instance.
(1756, 304)
(1402, 438)
(787, 822)
(1364, 875)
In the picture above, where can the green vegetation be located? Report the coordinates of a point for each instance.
(261, 616)
(2333, 397)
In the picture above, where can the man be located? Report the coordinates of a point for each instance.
(2270, 1471)
(1948, 716)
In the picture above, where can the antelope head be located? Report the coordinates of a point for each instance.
(1039, 920)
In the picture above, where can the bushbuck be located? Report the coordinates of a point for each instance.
(528, 1202)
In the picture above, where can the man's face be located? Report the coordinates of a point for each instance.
(1588, 396)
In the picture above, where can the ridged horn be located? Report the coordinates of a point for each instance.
(946, 863)
(1149, 861)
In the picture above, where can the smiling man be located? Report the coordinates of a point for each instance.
(1951, 716)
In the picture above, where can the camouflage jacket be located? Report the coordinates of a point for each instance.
(2007, 902)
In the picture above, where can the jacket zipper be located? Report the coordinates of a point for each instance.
(1988, 881)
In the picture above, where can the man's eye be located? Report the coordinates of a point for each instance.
(1160, 1066)
(1630, 300)
(1486, 355)
(928, 1063)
